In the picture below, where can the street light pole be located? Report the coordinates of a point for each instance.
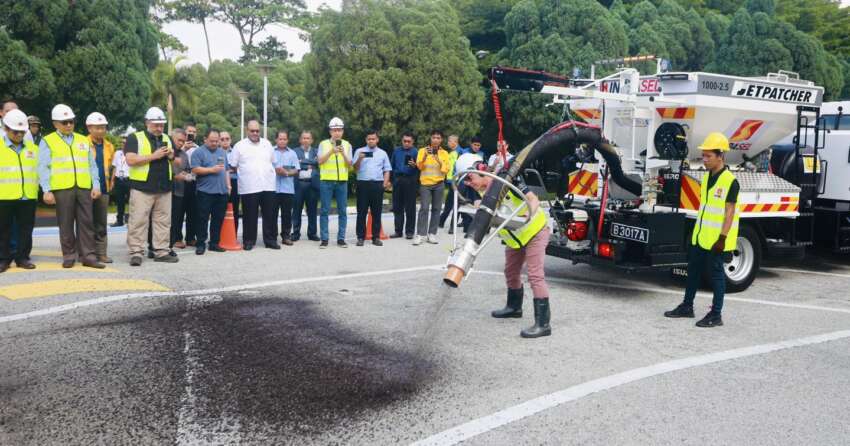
(242, 96)
(265, 69)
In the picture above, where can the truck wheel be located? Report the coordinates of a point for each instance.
(746, 260)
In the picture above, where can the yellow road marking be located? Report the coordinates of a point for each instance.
(53, 287)
(53, 266)
(46, 253)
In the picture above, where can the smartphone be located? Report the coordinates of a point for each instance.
(190, 137)
(407, 159)
(369, 154)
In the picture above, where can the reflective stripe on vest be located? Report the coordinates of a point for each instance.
(140, 172)
(334, 168)
(452, 160)
(519, 238)
(69, 165)
(18, 172)
(710, 218)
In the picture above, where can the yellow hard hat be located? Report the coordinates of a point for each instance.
(715, 141)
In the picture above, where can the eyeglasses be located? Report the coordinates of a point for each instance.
(69, 122)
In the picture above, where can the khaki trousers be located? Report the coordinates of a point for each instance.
(147, 209)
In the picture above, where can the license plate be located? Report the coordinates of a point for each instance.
(680, 272)
(632, 233)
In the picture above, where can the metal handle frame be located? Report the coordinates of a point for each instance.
(459, 178)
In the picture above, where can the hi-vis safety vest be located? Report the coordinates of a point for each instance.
(140, 172)
(69, 165)
(518, 238)
(452, 160)
(334, 168)
(18, 174)
(713, 211)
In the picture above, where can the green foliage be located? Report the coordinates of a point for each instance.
(483, 22)
(394, 65)
(94, 55)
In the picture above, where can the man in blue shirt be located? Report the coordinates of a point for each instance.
(286, 167)
(405, 177)
(373, 177)
(103, 152)
(18, 191)
(306, 188)
(212, 189)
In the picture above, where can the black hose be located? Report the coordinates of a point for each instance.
(550, 148)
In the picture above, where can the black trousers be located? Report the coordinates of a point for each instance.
(178, 214)
(405, 191)
(22, 213)
(370, 197)
(190, 209)
(470, 194)
(252, 204)
(234, 199)
(121, 195)
(284, 204)
(211, 210)
(448, 207)
(306, 195)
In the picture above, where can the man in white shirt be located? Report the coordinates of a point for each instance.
(253, 159)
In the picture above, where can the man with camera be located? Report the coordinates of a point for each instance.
(405, 178)
(334, 162)
(373, 177)
(433, 163)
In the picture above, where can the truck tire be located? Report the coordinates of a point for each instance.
(741, 271)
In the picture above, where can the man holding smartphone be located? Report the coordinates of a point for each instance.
(405, 178)
(373, 177)
(209, 165)
(334, 162)
(433, 163)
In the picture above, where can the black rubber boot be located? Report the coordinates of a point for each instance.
(683, 310)
(514, 306)
(541, 320)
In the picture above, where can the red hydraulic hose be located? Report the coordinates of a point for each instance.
(604, 205)
(497, 108)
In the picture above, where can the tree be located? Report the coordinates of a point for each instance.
(394, 65)
(251, 17)
(27, 79)
(269, 50)
(171, 88)
(99, 52)
(194, 11)
(482, 21)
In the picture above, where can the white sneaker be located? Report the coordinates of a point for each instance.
(432, 239)
(417, 240)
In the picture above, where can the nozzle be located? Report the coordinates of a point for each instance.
(460, 264)
(453, 276)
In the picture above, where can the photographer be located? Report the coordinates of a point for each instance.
(433, 163)
(405, 187)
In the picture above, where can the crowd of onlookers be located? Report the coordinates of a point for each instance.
(162, 183)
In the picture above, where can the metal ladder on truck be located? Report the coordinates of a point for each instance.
(808, 119)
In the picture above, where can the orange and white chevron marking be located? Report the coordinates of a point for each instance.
(583, 183)
(677, 112)
(589, 114)
(788, 204)
(689, 193)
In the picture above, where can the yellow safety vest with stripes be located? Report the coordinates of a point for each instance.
(18, 172)
(452, 160)
(518, 238)
(712, 212)
(140, 172)
(334, 168)
(69, 165)
(430, 172)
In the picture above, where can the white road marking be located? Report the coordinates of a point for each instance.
(122, 297)
(635, 287)
(803, 271)
(192, 427)
(488, 423)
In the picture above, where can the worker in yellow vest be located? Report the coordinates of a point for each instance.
(334, 164)
(103, 152)
(715, 231)
(149, 154)
(525, 245)
(453, 148)
(69, 178)
(18, 190)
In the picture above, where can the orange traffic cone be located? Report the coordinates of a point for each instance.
(228, 231)
(369, 228)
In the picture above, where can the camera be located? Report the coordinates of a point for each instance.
(369, 154)
(190, 137)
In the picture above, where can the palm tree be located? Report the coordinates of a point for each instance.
(170, 85)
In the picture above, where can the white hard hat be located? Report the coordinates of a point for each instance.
(336, 123)
(16, 120)
(155, 115)
(62, 112)
(96, 119)
(469, 161)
